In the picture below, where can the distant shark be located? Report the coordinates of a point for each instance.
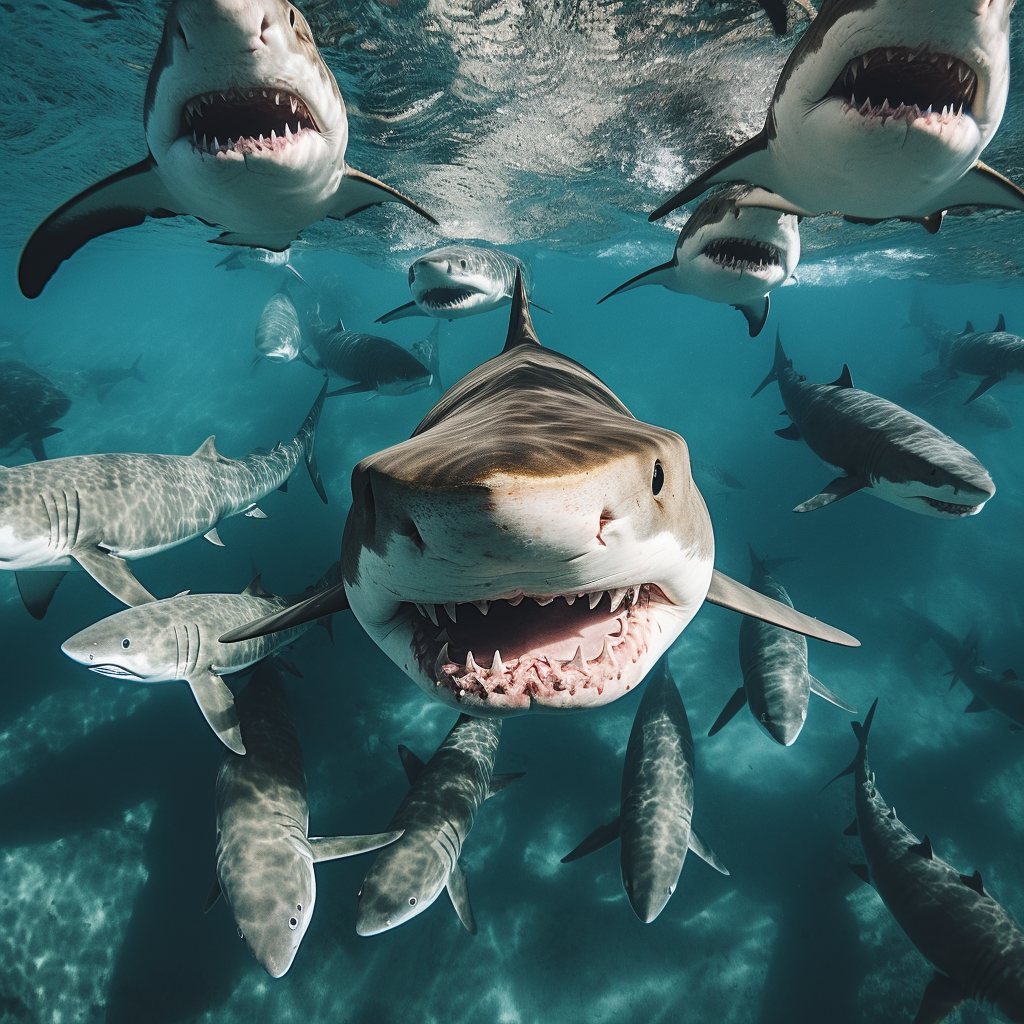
(654, 824)
(94, 511)
(532, 545)
(278, 330)
(29, 405)
(436, 818)
(882, 448)
(246, 129)
(731, 254)
(881, 111)
(976, 949)
(776, 683)
(461, 280)
(265, 855)
(994, 356)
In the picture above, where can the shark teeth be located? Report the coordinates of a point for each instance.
(247, 118)
(748, 255)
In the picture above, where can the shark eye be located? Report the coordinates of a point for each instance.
(298, 907)
(462, 263)
(412, 901)
(239, 930)
(291, 17)
(659, 478)
(293, 923)
(126, 643)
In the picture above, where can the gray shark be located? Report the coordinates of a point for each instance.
(461, 280)
(265, 855)
(243, 258)
(976, 949)
(532, 545)
(246, 129)
(436, 818)
(943, 404)
(715, 479)
(176, 639)
(101, 380)
(278, 331)
(94, 511)
(881, 111)
(776, 682)
(29, 405)
(882, 448)
(731, 254)
(654, 823)
(994, 356)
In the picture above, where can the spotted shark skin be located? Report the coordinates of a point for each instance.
(655, 822)
(249, 70)
(95, 511)
(436, 818)
(730, 254)
(457, 281)
(889, 452)
(265, 855)
(993, 356)
(976, 948)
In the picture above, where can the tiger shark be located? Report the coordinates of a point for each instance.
(246, 129)
(882, 110)
(265, 855)
(532, 545)
(95, 511)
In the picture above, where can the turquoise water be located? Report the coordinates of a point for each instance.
(106, 789)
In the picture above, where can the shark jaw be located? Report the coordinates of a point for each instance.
(448, 287)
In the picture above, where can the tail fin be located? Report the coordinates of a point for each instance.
(780, 363)
(861, 732)
(428, 352)
(641, 279)
(136, 372)
(308, 434)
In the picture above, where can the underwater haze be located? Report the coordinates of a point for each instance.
(550, 130)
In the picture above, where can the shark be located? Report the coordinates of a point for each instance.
(532, 545)
(278, 331)
(96, 511)
(176, 639)
(974, 945)
(881, 111)
(731, 254)
(776, 683)
(435, 818)
(246, 129)
(993, 356)
(457, 281)
(29, 406)
(265, 855)
(883, 449)
(654, 824)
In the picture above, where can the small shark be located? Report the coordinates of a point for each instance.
(776, 682)
(101, 380)
(994, 356)
(246, 129)
(278, 331)
(892, 453)
(654, 824)
(461, 280)
(715, 479)
(532, 545)
(943, 405)
(881, 111)
(243, 258)
(731, 254)
(976, 949)
(94, 511)
(176, 638)
(265, 855)
(436, 817)
(29, 405)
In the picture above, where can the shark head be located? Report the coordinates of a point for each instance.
(240, 100)
(909, 85)
(782, 720)
(403, 881)
(278, 333)
(456, 281)
(532, 544)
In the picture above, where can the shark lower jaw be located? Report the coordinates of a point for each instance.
(562, 652)
(948, 509)
(928, 91)
(744, 256)
(260, 122)
(115, 672)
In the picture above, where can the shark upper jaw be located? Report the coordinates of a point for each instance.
(737, 257)
(440, 290)
(947, 502)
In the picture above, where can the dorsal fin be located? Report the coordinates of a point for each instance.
(208, 450)
(520, 326)
(1008, 673)
(412, 764)
(844, 380)
(969, 329)
(923, 848)
(974, 882)
(1000, 326)
(256, 588)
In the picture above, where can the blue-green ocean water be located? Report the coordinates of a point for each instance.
(106, 789)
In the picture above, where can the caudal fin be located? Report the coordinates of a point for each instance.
(861, 732)
(780, 363)
(308, 434)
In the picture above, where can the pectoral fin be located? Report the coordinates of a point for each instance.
(756, 315)
(37, 589)
(660, 274)
(730, 594)
(351, 389)
(841, 487)
(823, 691)
(763, 199)
(600, 837)
(458, 890)
(123, 200)
(500, 782)
(217, 704)
(977, 705)
(335, 847)
(112, 573)
(941, 998)
(409, 309)
(790, 433)
(359, 191)
(736, 701)
(706, 854)
(982, 186)
(987, 383)
(211, 899)
(324, 602)
(34, 441)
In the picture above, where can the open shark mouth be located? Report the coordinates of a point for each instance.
(245, 120)
(510, 652)
(114, 671)
(948, 508)
(445, 298)
(745, 255)
(899, 83)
